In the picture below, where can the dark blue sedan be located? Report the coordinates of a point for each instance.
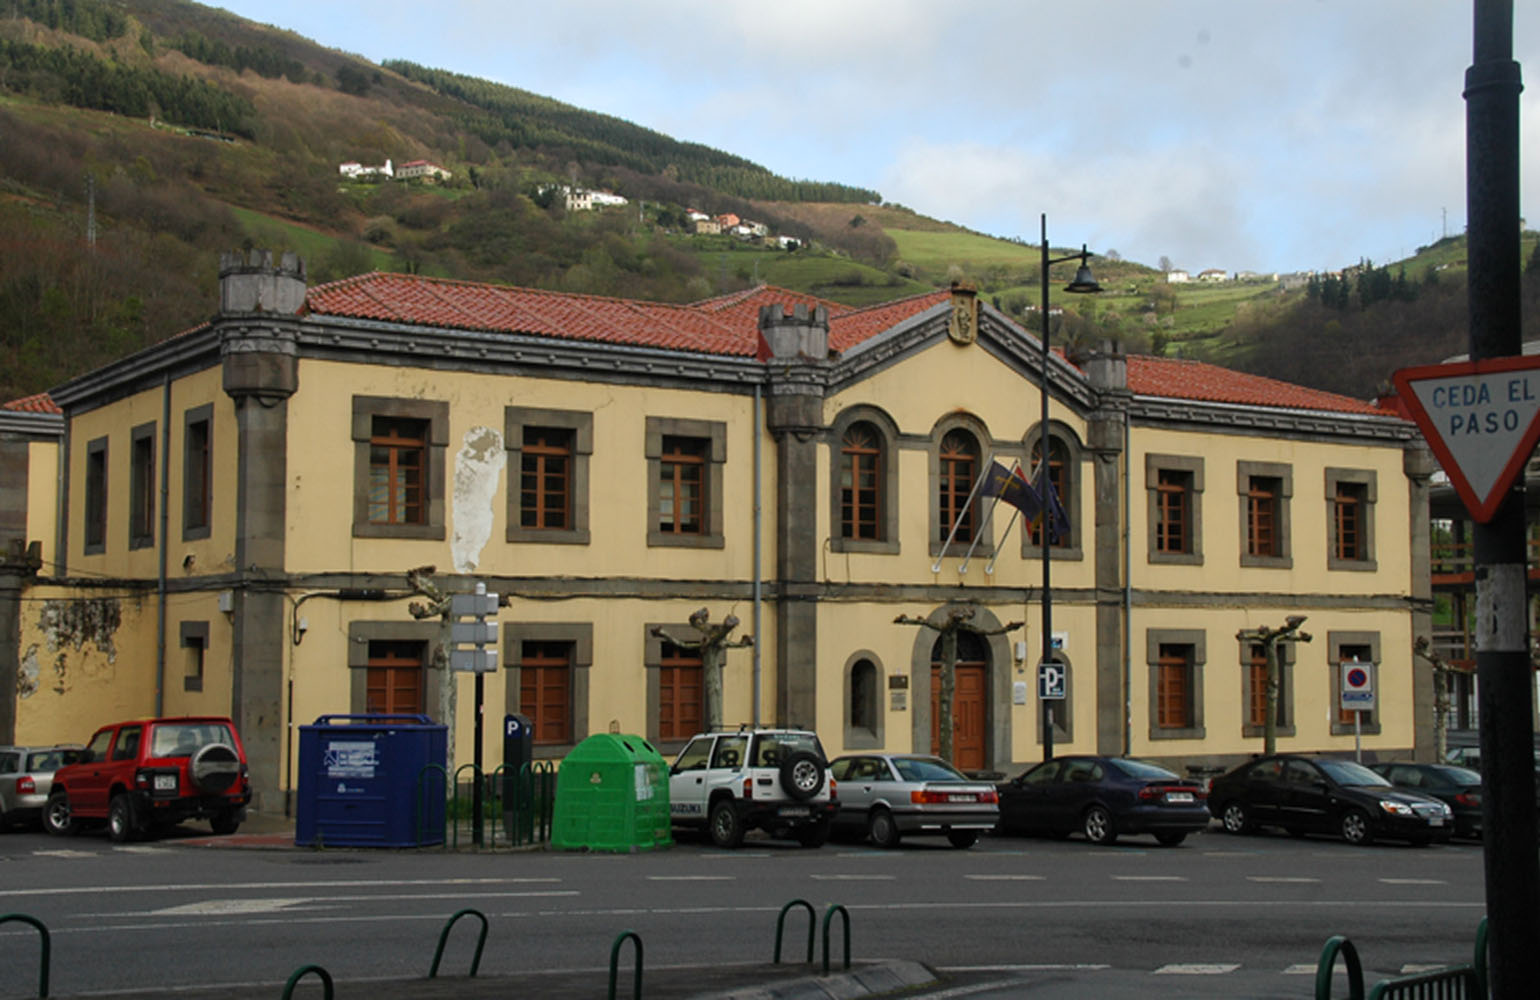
(1103, 798)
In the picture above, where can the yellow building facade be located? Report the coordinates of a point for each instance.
(227, 523)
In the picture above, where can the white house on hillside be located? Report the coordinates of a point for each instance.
(357, 171)
(422, 168)
(1177, 277)
(1213, 274)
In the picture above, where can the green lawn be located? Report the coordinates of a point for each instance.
(277, 235)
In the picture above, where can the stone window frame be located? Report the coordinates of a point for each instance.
(985, 546)
(1334, 643)
(581, 425)
(1197, 639)
(1287, 656)
(142, 486)
(860, 737)
(580, 637)
(361, 633)
(193, 532)
(1284, 474)
(435, 414)
(652, 662)
(94, 505)
(194, 635)
(714, 433)
(1369, 480)
(1074, 456)
(887, 430)
(1192, 466)
(1065, 733)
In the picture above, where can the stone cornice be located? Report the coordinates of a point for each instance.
(23, 423)
(141, 370)
(1209, 418)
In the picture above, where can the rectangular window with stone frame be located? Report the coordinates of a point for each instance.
(142, 487)
(94, 521)
(1265, 490)
(1254, 689)
(1175, 659)
(388, 667)
(548, 666)
(195, 643)
(197, 472)
(1350, 499)
(548, 451)
(1174, 488)
(400, 453)
(1347, 649)
(676, 690)
(685, 461)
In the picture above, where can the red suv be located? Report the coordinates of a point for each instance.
(144, 776)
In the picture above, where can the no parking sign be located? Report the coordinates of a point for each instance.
(1357, 686)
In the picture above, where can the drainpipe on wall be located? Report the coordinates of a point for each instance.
(165, 521)
(1128, 592)
(758, 514)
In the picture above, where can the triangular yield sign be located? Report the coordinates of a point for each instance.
(1482, 420)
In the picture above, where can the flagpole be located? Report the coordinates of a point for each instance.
(977, 482)
(989, 570)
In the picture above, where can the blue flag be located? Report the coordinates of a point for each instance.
(1012, 487)
(1058, 519)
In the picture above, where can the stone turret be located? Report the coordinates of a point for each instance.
(250, 283)
(795, 335)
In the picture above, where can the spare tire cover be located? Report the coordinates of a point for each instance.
(215, 768)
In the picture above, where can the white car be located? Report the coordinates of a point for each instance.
(776, 780)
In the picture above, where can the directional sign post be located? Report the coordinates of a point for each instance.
(479, 633)
(1482, 420)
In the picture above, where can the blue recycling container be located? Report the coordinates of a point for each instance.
(371, 781)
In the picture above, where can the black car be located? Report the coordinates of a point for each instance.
(1308, 793)
(1459, 788)
(1103, 798)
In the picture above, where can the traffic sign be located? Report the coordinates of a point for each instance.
(1482, 420)
(1050, 681)
(1357, 686)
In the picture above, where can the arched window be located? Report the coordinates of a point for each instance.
(863, 696)
(861, 483)
(1059, 468)
(957, 467)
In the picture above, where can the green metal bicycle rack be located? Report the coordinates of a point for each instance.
(615, 960)
(304, 970)
(42, 976)
(780, 925)
(454, 800)
(481, 941)
(828, 916)
(1323, 968)
(424, 790)
(1455, 982)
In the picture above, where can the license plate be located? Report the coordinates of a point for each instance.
(165, 782)
(794, 811)
(962, 797)
(1178, 796)
(1435, 821)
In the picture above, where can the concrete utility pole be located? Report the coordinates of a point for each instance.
(957, 620)
(713, 646)
(438, 604)
(1504, 678)
(1270, 638)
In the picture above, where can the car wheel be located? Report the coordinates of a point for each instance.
(802, 775)
(1235, 818)
(726, 828)
(1355, 827)
(883, 829)
(215, 768)
(813, 834)
(122, 819)
(1170, 839)
(963, 838)
(1097, 826)
(57, 817)
(225, 823)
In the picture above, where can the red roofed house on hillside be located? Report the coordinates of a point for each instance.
(610, 466)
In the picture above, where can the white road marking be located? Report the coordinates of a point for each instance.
(1413, 968)
(65, 852)
(1285, 879)
(1307, 969)
(1149, 878)
(142, 849)
(227, 907)
(692, 878)
(855, 878)
(1196, 969)
(223, 887)
(1007, 878)
(1414, 881)
(1024, 968)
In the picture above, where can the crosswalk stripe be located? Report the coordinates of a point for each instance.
(1196, 969)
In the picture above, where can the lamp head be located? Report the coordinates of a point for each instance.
(1084, 281)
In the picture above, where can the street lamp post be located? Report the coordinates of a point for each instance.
(1083, 282)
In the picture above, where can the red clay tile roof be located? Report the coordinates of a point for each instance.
(412, 299)
(40, 403)
(852, 327)
(1174, 378)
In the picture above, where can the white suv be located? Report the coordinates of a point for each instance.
(776, 780)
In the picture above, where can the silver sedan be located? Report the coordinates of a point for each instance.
(885, 796)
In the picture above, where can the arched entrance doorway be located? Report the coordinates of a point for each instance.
(969, 701)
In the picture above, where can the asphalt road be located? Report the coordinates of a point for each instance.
(1217, 916)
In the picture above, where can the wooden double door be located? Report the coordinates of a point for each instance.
(970, 717)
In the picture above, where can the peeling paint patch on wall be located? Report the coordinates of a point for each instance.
(478, 469)
(26, 677)
(72, 624)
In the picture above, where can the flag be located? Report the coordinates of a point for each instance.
(1012, 487)
(1058, 519)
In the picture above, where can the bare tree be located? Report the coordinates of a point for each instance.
(713, 646)
(1270, 638)
(1442, 672)
(438, 604)
(957, 620)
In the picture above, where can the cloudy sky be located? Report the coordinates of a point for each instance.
(1265, 135)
